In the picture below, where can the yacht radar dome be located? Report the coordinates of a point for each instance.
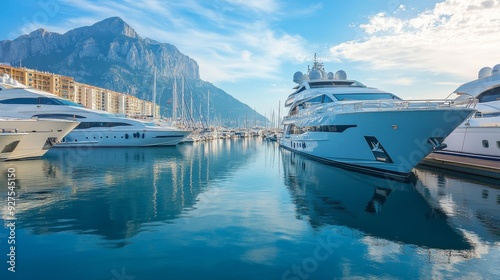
(298, 77)
(315, 75)
(496, 70)
(330, 75)
(484, 72)
(340, 75)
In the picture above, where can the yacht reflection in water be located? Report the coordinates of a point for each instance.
(325, 195)
(114, 192)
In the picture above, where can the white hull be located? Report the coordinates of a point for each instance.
(402, 137)
(97, 128)
(479, 136)
(41, 135)
(482, 142)
(132, 137)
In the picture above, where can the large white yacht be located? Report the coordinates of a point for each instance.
(96, 129)
(479, 136)
(343, 122)
(37, 136)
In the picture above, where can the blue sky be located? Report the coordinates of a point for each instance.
(251, 48)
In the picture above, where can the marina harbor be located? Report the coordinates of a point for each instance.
(292, 140)
(243, 209)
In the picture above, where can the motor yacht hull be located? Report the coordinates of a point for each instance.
(474, 141)
(41, 135)
(122, 138)
(390, 142)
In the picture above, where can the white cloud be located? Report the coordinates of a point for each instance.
(230, 39)
(455, 37)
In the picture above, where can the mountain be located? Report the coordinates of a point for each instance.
(111, 55)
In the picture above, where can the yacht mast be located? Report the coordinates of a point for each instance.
(183, 109)
(191, 110)
(154, 94)
(208, 109)
(174, 101)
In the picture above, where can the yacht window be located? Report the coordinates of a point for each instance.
(59, 116)
(9, 148)
(486, 144)
(490, 95)
(48, 101)
(58, 101)
(85, 125)
(301, 89)
(320, 99)
(365, 96)
(20, 100)
(498, 144)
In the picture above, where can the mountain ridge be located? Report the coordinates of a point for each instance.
(110, 54)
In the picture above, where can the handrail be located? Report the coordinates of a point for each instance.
(381, 105)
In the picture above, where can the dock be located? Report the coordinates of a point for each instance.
(480, 167)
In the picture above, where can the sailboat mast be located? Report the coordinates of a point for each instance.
(191, 110)
(174, 101)
(182, 103)
(208, 109)
(154, 94)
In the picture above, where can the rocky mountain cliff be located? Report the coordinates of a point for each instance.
(110, 54)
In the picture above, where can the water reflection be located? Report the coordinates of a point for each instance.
(470, 204)
(391, 210)
(114, 192)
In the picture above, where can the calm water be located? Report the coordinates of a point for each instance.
(241, 209)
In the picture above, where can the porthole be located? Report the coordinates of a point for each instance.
(497, 143)
(126, 135)
(486, 144)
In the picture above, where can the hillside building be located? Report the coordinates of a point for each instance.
(89, 96)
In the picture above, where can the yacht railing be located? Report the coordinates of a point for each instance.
(379, 105)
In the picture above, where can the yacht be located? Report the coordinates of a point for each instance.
(37, 136)
(344, 122)
(96, 128)
(479, 135)
(9, 142)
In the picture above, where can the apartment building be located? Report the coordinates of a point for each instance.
(89, 96)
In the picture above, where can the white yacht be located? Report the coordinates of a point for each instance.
(96, 129)
(9, 142)
(479, 136)
(38, 136)
(343, 122)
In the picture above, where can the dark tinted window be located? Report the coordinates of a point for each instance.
(21, 100)
(85, 125)
(59, 116)
(490, 95)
